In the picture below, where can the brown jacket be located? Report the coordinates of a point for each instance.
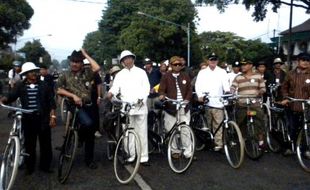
(168, 88)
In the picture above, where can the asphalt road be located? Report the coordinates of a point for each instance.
(209, 171)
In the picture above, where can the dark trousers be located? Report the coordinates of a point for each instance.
(295, 122)
(35, 129)
(87, 131)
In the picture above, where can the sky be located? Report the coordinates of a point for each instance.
(61, 25)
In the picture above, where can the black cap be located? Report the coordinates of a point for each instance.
(147, 61)
(244, 62)
(236, 64)
(260, 63)
(303, 56)
(212, 56)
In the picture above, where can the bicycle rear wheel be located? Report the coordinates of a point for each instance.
(233, 144)
(197, 122)
(9, 164)
(181, 148)
(272, 133)
(67, 154)
(303, 149)
(251, 144)
(127, 157)
(63, 110)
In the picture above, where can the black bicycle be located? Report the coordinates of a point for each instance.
(179, 141)
(232, 138)
(70, 143)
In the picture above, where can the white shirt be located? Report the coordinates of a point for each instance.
(215, 82)
(13, 78)
(232, 76)
(133, 84)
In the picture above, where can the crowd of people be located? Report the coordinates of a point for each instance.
(83, 85)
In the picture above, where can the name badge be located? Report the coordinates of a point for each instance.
(277, 80)
(184, 81)
(307, 81)
(87, 83)
(252, 80)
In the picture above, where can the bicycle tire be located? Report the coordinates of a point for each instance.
(183, 160)
(272, 142)
(233, 144)
(303, 149)
(10, 160)
(251, 144)
(197, 122)
(124, 169)
(67, 155)
(63, 110)
(110, 150)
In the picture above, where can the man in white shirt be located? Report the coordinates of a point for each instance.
(213, 80)
(133, 84)
(14, 74)
(235, 71)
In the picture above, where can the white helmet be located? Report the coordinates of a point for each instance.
(28, 66)
(126, 53)
(277, 60)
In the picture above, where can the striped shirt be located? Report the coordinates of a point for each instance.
(32, 96)
(297, 85)
(179, 94)
(248, 85)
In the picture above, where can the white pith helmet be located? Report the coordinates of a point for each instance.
(126, 53)
(28, 66)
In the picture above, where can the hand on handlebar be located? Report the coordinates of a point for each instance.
(284, 102)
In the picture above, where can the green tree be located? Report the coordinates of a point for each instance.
(260, 6)
(14, 19)
(36, 53)
(231, 48)
(122, 28)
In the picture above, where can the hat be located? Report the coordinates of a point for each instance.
(212, 56)
(277, 60)
(303, 56)
(43, 66)
(126, 53)
(236, 64)
(260, 63)
(76, 56)
(174, 59)
(245, 62)
(147, 61)
(114, 69)
(28, 66)
(17, 63)
(86, 62)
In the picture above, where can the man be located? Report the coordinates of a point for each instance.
(76, 84)
(213, 80)
(176, 85)
(266, 75)
(35, 95)
(14, 74)
(133, 85)
(296, 85)
(250, 83)
(154, 76)
(235, 71)
(48, 78)
(278, 75)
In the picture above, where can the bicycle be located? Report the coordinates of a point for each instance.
(303, 139)
(69, 146)
(14, 152)
(127, 153)
(232, 138)
(180, 140)
(277, 132)
(251, 138)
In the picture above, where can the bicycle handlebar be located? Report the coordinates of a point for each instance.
(298, 100)
(177, 102)
(16, 108)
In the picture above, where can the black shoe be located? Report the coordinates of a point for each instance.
(146, 164)
(92, 165)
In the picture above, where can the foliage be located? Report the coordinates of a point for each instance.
(122, 28)
(36, 53)
(260, 6)
(14, 19)
(231, 48)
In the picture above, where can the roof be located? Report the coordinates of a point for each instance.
(304, 27)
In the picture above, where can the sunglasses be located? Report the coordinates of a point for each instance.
(177, 64)
(213, 59)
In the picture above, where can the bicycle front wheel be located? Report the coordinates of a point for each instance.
(272, 133)
(251, 143)
(67, 155)
(63, 110)
(10, 164)
(127, 157)
(233, 144)
(303, 149)
(181, 148)
(198, 122)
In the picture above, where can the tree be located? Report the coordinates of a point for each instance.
(14, 19)
(122, 28)
(231, 48)
(36, 53)
(260, 6)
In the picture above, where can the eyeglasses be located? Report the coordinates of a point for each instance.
(177, 64)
